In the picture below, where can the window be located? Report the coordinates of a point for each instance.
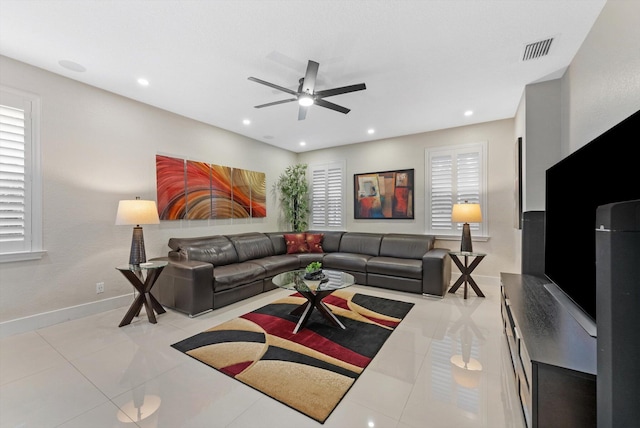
(327, 196)
(20, 178)
(455, 174)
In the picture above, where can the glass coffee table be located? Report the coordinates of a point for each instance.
(314, 291)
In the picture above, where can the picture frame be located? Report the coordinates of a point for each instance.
(384, 195)
(517, 221)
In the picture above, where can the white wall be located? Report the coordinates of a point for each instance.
(409, 152)
(602, 84)
(98, 148)
(542, 139)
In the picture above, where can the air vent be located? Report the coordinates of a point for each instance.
(537, 49)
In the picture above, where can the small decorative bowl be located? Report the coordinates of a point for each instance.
(315, 275)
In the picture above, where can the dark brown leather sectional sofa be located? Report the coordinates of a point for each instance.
(210, 272)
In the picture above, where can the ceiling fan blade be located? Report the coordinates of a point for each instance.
(341, 90)
(272, 85)
(332, 106)
(310, 77)
(302, 112)
(276, 103)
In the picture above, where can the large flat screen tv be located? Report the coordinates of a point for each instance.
(603, 171)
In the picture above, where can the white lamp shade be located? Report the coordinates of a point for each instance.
(137, 211)
(466, 213)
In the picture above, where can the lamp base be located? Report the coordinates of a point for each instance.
(137, 254)
(465, 244)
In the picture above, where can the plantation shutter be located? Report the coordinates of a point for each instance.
(327, 196)
(318, 198)
(441, 191)
(455, 175)
(468, 181)
(20, 177)
(14, 233)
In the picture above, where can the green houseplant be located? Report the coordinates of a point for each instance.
(294, 196)
(313, 267)
(313, 271)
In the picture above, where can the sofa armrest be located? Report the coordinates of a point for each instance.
(185, 285)
(436, 272)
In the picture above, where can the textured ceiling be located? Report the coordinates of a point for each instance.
(424, 62)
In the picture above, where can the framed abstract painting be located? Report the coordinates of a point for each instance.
(384, 195)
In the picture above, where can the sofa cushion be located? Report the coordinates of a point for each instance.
(393, 266)
(230, 276)
(406, 246)
(330, 240)
(251, 246)
(200, 241)
(296, 243)
(361, 243)
(305, 258)
(274, 265)
(346, 261)
(279, 244)
(218, 251)
(314, 242)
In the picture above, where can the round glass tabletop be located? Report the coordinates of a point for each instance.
(466, 253)
(331, 280)
(142, 266)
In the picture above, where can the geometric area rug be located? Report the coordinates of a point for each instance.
(310, 371)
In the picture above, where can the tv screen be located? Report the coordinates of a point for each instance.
(603, 171)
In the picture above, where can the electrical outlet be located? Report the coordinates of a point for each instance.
(99, 287)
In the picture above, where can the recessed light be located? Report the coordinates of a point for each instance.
(371, 131)
(303, 143)
(246, 122)
(73, 66)
(468, 113)
(143, 82)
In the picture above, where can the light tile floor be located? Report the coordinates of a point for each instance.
(90, 373)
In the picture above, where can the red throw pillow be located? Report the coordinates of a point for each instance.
(296, 243)
(314, 242)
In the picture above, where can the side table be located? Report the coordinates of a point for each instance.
(143, 283)
(465, 270)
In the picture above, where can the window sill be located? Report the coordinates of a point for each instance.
(458, 237)
(21, 256)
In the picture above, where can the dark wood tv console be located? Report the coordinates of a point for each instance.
(553, 357)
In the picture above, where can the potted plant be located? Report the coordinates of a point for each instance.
(313, 272)
(294, 196)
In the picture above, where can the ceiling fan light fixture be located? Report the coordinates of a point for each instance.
(305, 100)
(307, 96)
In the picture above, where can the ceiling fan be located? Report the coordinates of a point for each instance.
(307, 95)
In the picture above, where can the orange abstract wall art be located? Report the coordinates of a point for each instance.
(195, 190)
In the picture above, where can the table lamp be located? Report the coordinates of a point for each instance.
(466, 213)
(136, 212)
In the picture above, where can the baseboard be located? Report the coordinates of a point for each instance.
(46, 319)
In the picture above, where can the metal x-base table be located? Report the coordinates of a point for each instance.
(465, 270)
(314, 291)
(134, 273)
